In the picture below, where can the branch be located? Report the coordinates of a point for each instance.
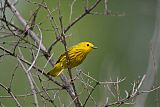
(87, 11)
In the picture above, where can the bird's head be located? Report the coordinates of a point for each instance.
(87, 46)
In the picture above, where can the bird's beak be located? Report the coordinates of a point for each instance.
(94, 47)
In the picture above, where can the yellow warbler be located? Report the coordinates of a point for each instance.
(76, 54)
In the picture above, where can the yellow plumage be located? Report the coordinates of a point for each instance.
(76, 53)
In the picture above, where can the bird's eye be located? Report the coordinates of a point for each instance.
(87, 44)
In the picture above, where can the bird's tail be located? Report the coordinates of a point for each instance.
(56, 70)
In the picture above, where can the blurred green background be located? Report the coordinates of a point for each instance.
(123, 45)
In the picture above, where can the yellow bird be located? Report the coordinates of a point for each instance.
(76, 54)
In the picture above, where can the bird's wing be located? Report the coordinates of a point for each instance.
(60, 58)
(64, 55)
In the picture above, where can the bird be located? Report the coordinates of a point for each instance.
(76, 55)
